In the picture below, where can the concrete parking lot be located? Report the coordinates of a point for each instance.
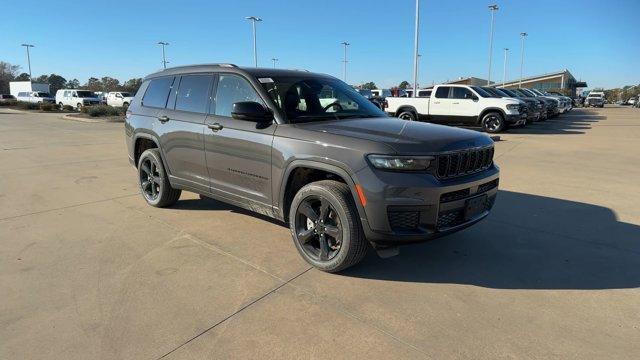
(89, 271)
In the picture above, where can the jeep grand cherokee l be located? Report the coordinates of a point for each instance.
(309, 150)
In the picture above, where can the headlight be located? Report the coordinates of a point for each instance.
(513, 106)
(400, 163)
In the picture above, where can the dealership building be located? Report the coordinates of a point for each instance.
(561, 80)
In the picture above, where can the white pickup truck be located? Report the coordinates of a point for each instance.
(460, 104)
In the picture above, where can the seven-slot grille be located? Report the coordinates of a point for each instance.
(464, 162)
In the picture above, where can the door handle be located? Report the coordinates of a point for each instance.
(215, 126)
(163, 119)
(456, 103)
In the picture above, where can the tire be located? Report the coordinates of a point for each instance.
(125, 105)
(493, 122)
(306, 233)
(155, 189)
(61, 105)
(409, 115)
(79, 107)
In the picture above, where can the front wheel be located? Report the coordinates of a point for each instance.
(493, 122)
(325, 226)
(61, 105)
(407, 115)
(153, 180)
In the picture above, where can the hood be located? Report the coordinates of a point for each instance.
(405, 137)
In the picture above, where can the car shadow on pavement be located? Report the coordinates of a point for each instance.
(528, 242)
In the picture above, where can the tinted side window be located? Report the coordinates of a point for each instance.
(157, 92)
(461, 93)
(231, 89)
(442, 92)
(193, 93)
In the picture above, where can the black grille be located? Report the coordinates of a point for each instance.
(464, 162)
(487, 186)
(450, 219)
(404, 220)
(454, 195)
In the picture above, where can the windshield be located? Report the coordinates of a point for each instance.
(304, 99)
(85, 94)
(43, 94)
(482, 92)
(537, 92)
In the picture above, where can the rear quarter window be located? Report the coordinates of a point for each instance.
(157, 92)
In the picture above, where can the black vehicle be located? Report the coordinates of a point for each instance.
(542, 105)
(533, 106)
(551, 105)
(307, 149)
(376, 100)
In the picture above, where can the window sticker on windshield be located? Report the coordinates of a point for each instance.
(265, 80)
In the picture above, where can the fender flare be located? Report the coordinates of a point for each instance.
(407, 107)
(314, 164)
(154, 138)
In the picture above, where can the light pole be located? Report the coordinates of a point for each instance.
(415, 51)
(27, 46)
(254, 19)
(493, 8)
(504, 73)
(274, 62)
(344, 71)
(164, 57)
(522, 36)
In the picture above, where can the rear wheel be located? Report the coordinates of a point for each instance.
(493, 122)
(325, 226)
(153, 180)
(407, 115)
(79, 106)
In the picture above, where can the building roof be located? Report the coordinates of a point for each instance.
(539, 78)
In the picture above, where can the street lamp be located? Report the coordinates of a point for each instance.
(164, 57)
(274, 62)
(344, 73)
(504, 74)
(522, 36)
(415, 51)
(27, 46)
(493, 8)
(255, 48)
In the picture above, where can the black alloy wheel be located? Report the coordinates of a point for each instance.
(318, 228)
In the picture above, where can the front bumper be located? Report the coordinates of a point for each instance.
(516, 119)
(406, 208)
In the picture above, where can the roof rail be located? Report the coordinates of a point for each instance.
(214, 64)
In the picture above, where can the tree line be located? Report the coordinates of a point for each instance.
(9, 72)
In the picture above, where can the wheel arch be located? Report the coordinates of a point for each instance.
(491, 109)
(287, 186)
(405, 108)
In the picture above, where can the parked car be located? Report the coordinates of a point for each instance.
(541, 105)
(119, 98)
(376, 100)
(533, 106)
(341, 175)
(7, 99)
(563, 104)
(76, 98)
(551, 104)
(595, 99)
(461, 104)
(383, 93)
(35, 97)
(568, 102)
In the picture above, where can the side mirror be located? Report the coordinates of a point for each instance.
(251, 111)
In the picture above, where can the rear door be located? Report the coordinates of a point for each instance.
(180, 127)
(440, 104)
(238, 152)
(463, 106)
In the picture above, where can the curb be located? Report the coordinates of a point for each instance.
(80, 119)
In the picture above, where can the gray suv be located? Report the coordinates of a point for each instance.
(309, 150)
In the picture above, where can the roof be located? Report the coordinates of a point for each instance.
(537, 77)
(253, 71)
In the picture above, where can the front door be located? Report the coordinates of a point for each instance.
(464, 105)
(238, 152)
